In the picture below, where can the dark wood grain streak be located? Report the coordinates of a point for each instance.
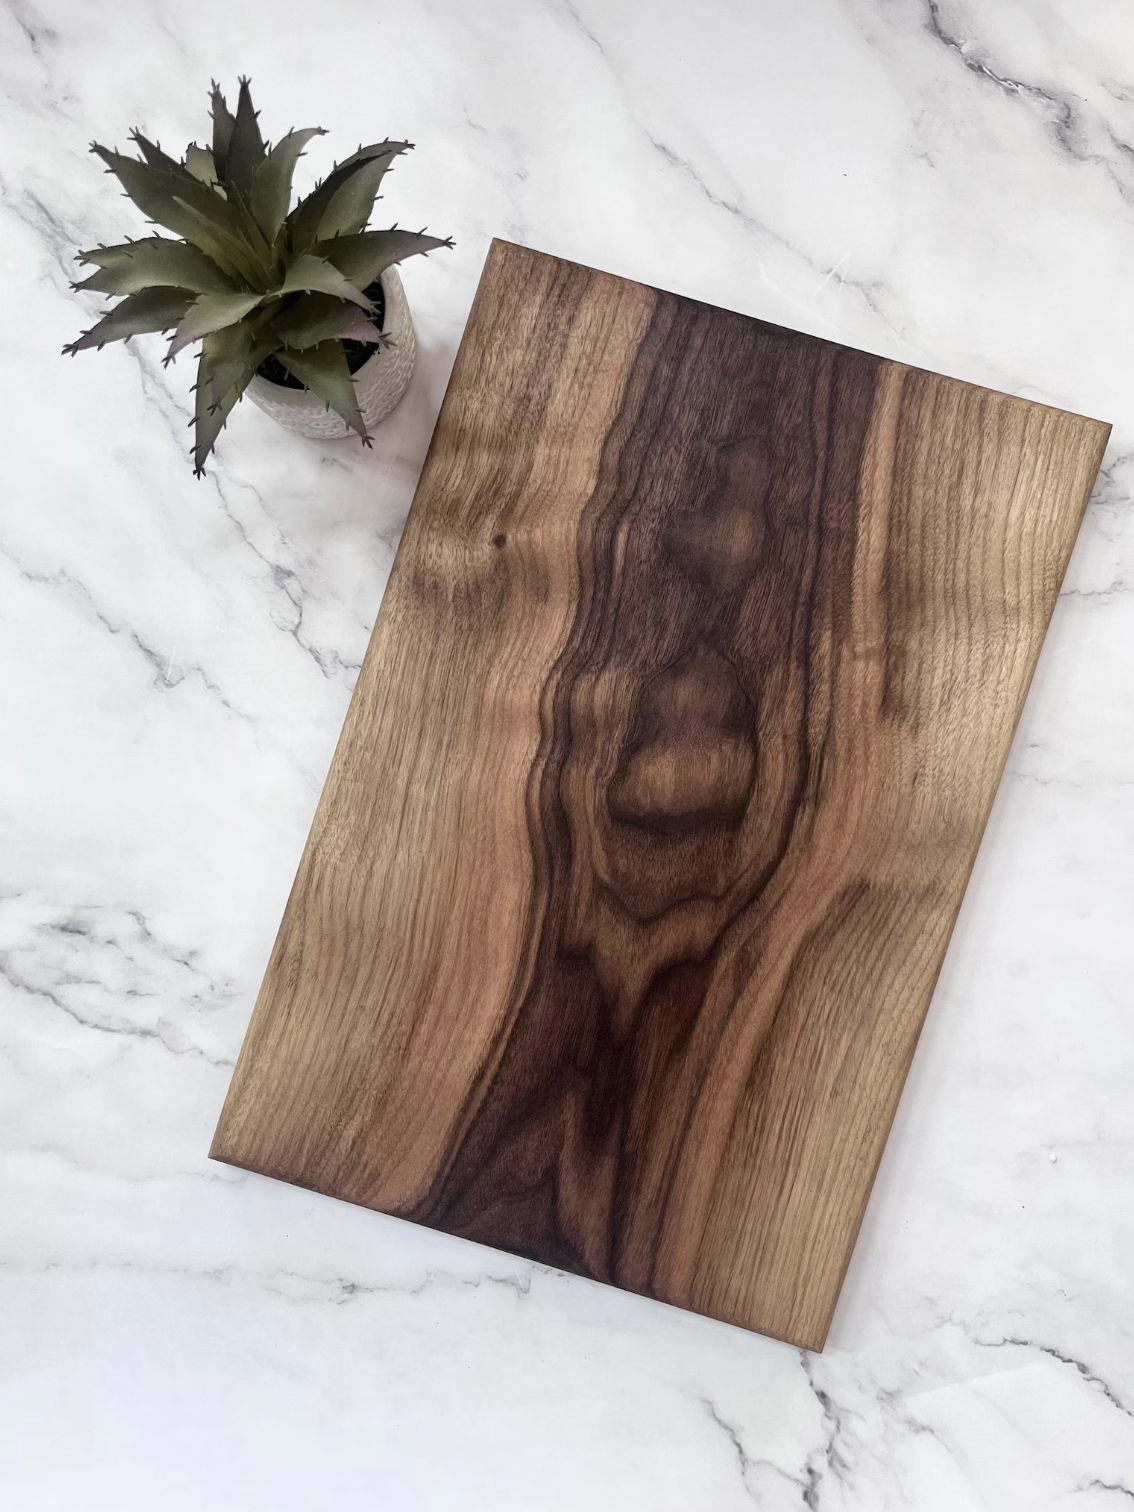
(659, 791)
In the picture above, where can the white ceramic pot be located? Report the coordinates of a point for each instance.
(379, 382)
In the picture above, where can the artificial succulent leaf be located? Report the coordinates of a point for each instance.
(148, 310)
(352, 204)
(366, 256)
(200, 163)
(209, 417)
(245, 147)
(271, 182)
(183, 205)
(248, 246)
(210, 312)
(226, 249)
(304, 221)
(317, 275)
(188, 186)
(323, 369)
(223, 123)
(201, 194)
(314, 318)
(232, 355)
(153, 262)
(154, 156)
(263, 258)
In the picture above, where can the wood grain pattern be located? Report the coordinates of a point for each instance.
(658, 794)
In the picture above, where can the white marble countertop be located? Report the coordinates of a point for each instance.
(936, 180)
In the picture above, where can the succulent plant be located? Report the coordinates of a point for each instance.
(251, 277)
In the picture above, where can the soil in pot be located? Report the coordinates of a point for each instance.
(357, 352)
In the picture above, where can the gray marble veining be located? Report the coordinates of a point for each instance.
(938, 181)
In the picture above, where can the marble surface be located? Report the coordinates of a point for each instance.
(936, 180)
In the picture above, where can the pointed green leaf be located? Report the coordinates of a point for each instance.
(229, 219)
(263, 259)
(271, 183)
(232, 355)
(321, 317)
(316, 274)
(210, 312)
(304, 221)
(153, 262)
(182, 204)
(323, 369)
(366, 256)
(352, 204)
(187, 186)
(388, 148)
(153, 154)
(199, 162)
(245, 147)
(148, 310)
(223, 123)
(209, 419)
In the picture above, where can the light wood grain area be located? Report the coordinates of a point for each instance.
(658, 794)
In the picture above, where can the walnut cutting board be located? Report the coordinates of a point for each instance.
(657, 797)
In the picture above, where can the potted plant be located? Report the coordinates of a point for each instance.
(299, 307)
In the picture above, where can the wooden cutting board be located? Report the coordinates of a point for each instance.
(657, 797)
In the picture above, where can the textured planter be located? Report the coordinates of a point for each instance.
(379, 383)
